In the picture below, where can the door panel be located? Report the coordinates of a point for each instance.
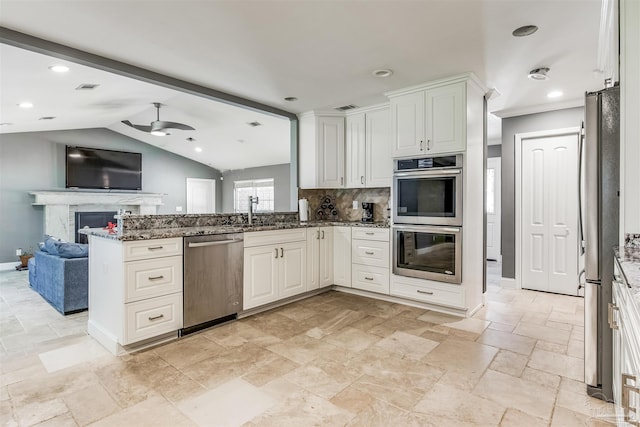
(260, 276)
(550, 213)
(494, 179)
(293, 269)
(408, 124)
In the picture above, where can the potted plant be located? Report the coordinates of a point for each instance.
(24, 256)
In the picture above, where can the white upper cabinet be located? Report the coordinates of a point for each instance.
(368, 142)
(321, 151)
(429, 120)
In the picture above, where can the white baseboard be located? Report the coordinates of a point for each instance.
(507, 282)
(8, 265)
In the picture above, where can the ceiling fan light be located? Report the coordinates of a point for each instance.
(159, 133)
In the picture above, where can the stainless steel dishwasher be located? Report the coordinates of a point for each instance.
(212, 280)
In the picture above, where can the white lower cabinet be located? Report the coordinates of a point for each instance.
(276, 267)
(624, 319)
(370, 259)
(135, 290)
(444, 294)
(319, 257)
(342, 256)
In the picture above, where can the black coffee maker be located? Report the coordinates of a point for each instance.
(367, 212)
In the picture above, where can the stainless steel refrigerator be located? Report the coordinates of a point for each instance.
(599, 223)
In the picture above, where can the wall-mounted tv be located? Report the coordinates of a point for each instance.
(106, 169)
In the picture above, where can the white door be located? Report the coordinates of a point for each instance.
(201, 195)
(493, 208)
(550, 213)
(260, 275)
(445, 119)
(293, 271)
(407, 118)
(331, 152)
(379, 166)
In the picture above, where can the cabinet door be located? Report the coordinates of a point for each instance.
(356, 150)
(292, 270)
(446, 122)
(342, 256)
(330, 140)
(313, 258)
(407, 124)
(379, 164)
(260, 275)
(326, 256)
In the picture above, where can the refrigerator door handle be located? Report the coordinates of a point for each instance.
(580, 189)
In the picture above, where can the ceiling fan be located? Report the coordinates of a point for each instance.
(158, 127)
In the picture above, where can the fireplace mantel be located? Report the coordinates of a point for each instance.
(60, 207)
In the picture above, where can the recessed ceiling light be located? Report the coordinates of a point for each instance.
(554, 94)
(59, 68)
(291, 98)
(384, 72)
(524, 31)
(190, 139)
(539, 74)
(198, 150)
(25, 105)
(159, 133)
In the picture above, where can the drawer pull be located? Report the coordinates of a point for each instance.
(424, 292)
(156, 278)
(160, 316)
(611, 317)
(368, 278)
(626, 390)
(369, 253)
(369, 233)
(154, 248)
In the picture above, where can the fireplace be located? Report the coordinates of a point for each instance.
(92, 220)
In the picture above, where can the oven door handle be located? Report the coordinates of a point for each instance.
(428, 229)
(427, 172)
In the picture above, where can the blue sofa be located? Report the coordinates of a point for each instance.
(63, 282)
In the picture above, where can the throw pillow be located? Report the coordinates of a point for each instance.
(50, 245)
(72, 250)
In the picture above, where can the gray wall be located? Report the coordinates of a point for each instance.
(281, 181)
(35, 161)
(559, 119)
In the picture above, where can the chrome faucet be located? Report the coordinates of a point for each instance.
(252, 200)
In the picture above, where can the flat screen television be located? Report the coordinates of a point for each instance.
(106, 169)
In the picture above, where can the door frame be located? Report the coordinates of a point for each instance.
(518, 186)
(498, 202)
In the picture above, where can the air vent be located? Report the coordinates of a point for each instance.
(346, 107)
(87, 86)
(47, 118)
(254, 124)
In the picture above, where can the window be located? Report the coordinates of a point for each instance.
(260, 188)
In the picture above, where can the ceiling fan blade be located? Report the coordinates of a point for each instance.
(139, 127)
(161, 125)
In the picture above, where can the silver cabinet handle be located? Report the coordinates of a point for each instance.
(154, 248)
(368, 278)
(421, 149)
(156, 317)
(626, 390)
(322, 234)
(156, 278)
(281, 253)
(276, 253)
(369, 253)
(318, 235)
(369, 233)
(428, 144)
(610, 316)
(361, 179)
(424, 292)
(341, 180)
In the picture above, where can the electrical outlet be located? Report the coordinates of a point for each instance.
(18, 251)
(178, 208)
(355, 204)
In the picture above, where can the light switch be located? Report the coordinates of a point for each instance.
(178, 208)
(355, 204)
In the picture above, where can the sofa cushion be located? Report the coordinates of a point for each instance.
(72, 250)
(50, 244)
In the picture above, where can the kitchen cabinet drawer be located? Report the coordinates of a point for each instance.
(274, 237)
(145, 249)
(441, 294)
(369, 278)
(368, 233)
(370, 252)
(153, 317)
(152, 278)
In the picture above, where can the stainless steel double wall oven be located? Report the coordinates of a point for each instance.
(427, 216)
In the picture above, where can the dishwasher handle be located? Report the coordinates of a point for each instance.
(216, 243)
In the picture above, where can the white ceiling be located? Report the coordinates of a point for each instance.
(323, 52)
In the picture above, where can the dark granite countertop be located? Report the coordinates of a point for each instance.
(629, 260)
(163, 233)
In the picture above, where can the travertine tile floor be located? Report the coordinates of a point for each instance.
(331, 360)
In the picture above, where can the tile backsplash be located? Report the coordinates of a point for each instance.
(342, 201)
